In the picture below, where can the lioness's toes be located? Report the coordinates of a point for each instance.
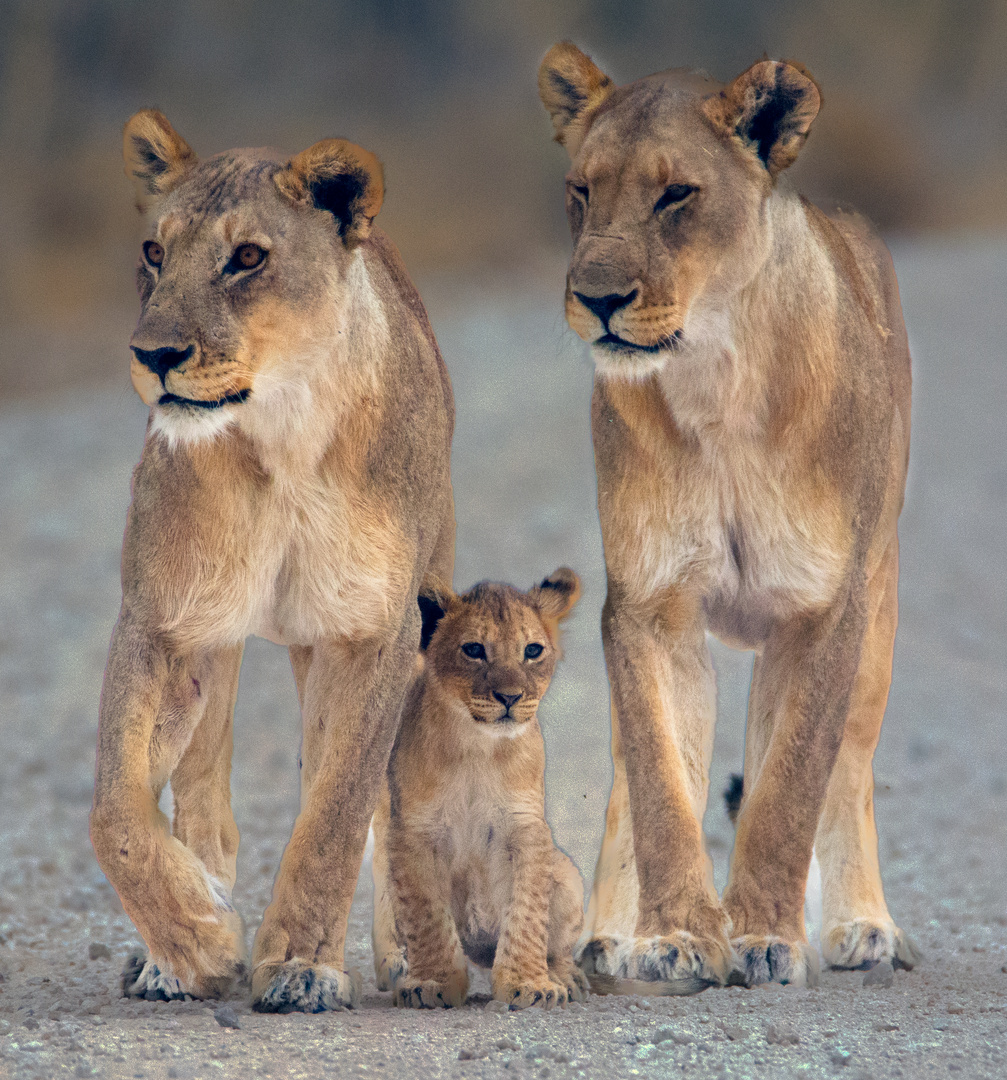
(296, 986)
(413, 993)
(678, 963)
(766, 959)
(143, 978)
(862, 943)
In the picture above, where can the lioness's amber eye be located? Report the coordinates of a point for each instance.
(153, 253)
(247, 256)
(676, 193)
(533, 651)
(474, 650)
(580, 190)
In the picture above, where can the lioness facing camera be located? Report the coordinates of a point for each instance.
(751, 433)
(293, 484)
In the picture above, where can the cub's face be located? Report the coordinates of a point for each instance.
(666, 197)
(243, 271)
(494, 649)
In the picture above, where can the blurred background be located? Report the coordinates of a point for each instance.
(913, 132)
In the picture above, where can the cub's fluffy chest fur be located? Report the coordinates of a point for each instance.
(465, 866)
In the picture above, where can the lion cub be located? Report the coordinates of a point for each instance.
(465, 864)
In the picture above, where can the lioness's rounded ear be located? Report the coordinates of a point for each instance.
(557, 594)
(770, 108)
(340, 177)
(156, 156)
(434, 600)
(571, 88)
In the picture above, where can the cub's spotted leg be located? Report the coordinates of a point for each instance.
(566, 918)
(152, 705)
(351, 693)
(857, 930)
(800, 697)
(437, 973)
(663, 710)
(521, 975)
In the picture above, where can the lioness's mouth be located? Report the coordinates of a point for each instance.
(228, 399)
(617, 344)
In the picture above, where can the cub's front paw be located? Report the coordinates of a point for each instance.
(297, 986)
(520, 992)
(572, 979)
(764, 958)
(447, 993)
(862, 943)
(677, 963)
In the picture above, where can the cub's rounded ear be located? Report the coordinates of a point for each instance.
(156, 156)
(557, 594)
(571, 88)
(340, 177)
(434, 600)
(770, 108)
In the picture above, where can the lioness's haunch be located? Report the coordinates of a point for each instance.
(464, 863)
(293, 484)
(751, 433)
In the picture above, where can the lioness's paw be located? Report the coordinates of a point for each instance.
(297, 986)
(143, 978)
(862, 943)
(448, 993)
(523, 993)
(572, 979)
(766, 959)
(678, 963)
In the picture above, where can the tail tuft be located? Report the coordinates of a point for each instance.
(732, 796)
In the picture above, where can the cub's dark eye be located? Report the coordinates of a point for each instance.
(676, 193)
(153, 253)
(474, 650)
(245, 257)
(533, 651)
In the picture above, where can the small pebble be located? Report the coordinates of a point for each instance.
(507, 1044)
(840, 1058)
(466, 1054)
(781, 1035)
(98, 951)
(495, 1006)
(735, 1033)
(882, 975)
(662, 1035)
(226, 1017)
(31, 1024)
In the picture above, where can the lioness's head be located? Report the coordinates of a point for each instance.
(494, 648)
(246, 260)
(666, 195)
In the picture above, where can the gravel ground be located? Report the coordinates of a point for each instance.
(525, 494)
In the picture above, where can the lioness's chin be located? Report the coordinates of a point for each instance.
(182, 421)
(625, 362)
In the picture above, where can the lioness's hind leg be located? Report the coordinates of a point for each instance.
(857, 930)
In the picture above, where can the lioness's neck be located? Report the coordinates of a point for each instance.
(751, 359)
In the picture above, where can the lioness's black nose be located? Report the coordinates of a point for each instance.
(161, 361)
(604, 307)
(507, 700)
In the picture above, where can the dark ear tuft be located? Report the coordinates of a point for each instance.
(156, 156)
(770, 108)
(571, 88)
(557, 594)
(341, 178)
(434, 600)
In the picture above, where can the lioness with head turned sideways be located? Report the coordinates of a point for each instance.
(293, 484)
(751, 433)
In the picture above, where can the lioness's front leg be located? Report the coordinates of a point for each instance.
(175, 889)
(800, 697)
(351, 693)
(664, 705)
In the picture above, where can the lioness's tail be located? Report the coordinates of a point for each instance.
(732, 796)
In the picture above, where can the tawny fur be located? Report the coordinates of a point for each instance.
(465, 867)
(751, 432)
(293, 484)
